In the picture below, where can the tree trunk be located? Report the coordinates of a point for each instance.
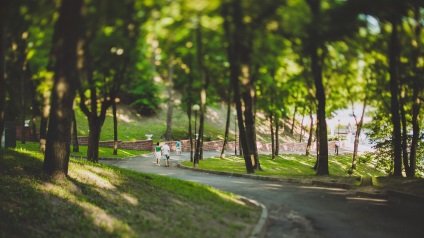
(271, 127)
(277, 135)
(168, 133)
(357, 133)
(67, 30)
(417, 90)
(45, 111)
(233, 15)
(227, 127)
(404, 140)
(23, 96)
(115, 129)
(311, 134)
(205, 79)
(75, 146)
(301, 129)
(294, 120)
(316, 64)
(3, 8)
(93, 140)
(394, 102)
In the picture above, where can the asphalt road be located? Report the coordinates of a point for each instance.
(297, 210)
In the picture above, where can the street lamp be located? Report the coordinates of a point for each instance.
(235, 132)
(195, 108)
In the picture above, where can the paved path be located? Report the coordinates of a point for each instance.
(303, 210)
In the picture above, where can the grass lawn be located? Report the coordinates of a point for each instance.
(289, 166)
(97, 200)
(104, 152)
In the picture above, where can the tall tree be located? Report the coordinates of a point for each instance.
(67, 33)
(315, 46)
(3, 17)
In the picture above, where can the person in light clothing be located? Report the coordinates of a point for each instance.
(165, 151)
(158, 153)
(178, 147)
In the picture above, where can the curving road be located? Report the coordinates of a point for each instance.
(297, 210)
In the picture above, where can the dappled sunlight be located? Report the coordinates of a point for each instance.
(227, 197)
(376, 201)
(324, 188)
(125, 118)
(84, 176)
(104, 220)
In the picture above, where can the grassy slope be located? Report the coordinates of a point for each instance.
(291, 166)
(102, 201)
(132, 126)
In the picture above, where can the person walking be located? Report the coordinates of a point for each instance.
(158, 153)
(336, 147)
(178, 147)
(165, 151)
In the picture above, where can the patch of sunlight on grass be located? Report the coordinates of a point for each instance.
(226, 196)
(83, 175)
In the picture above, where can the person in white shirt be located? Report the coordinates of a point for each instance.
(165, 151)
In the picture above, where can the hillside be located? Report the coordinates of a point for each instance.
(133, 126)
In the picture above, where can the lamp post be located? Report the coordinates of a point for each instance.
(235, 132)
(195, 108)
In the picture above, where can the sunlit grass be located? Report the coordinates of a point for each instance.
(104, 152)
(289, 166)
(97, 200)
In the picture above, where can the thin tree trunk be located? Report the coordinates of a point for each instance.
(205, 79)
(277, 134)
(357, 133)
(311, 134)
(271, 127)
(3, 19)
(293, 121)
(394, 89)
(115, 129)
(75, 146)
(45, 111)
(227, 127)
(67, 30)
(301, 129)
(404, 132)
(168, 133)
(417, 90)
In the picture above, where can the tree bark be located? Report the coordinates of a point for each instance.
(271, 127)
(168, 133)
(316, 64)
(45, 111)
(417, 92)
(227, 127)
(115, 129)
(357, 133)
(235, 48)
(67, 31)
(3, 19)
(311, 134)
(394, 102)
(277, 134)
(75, 146)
